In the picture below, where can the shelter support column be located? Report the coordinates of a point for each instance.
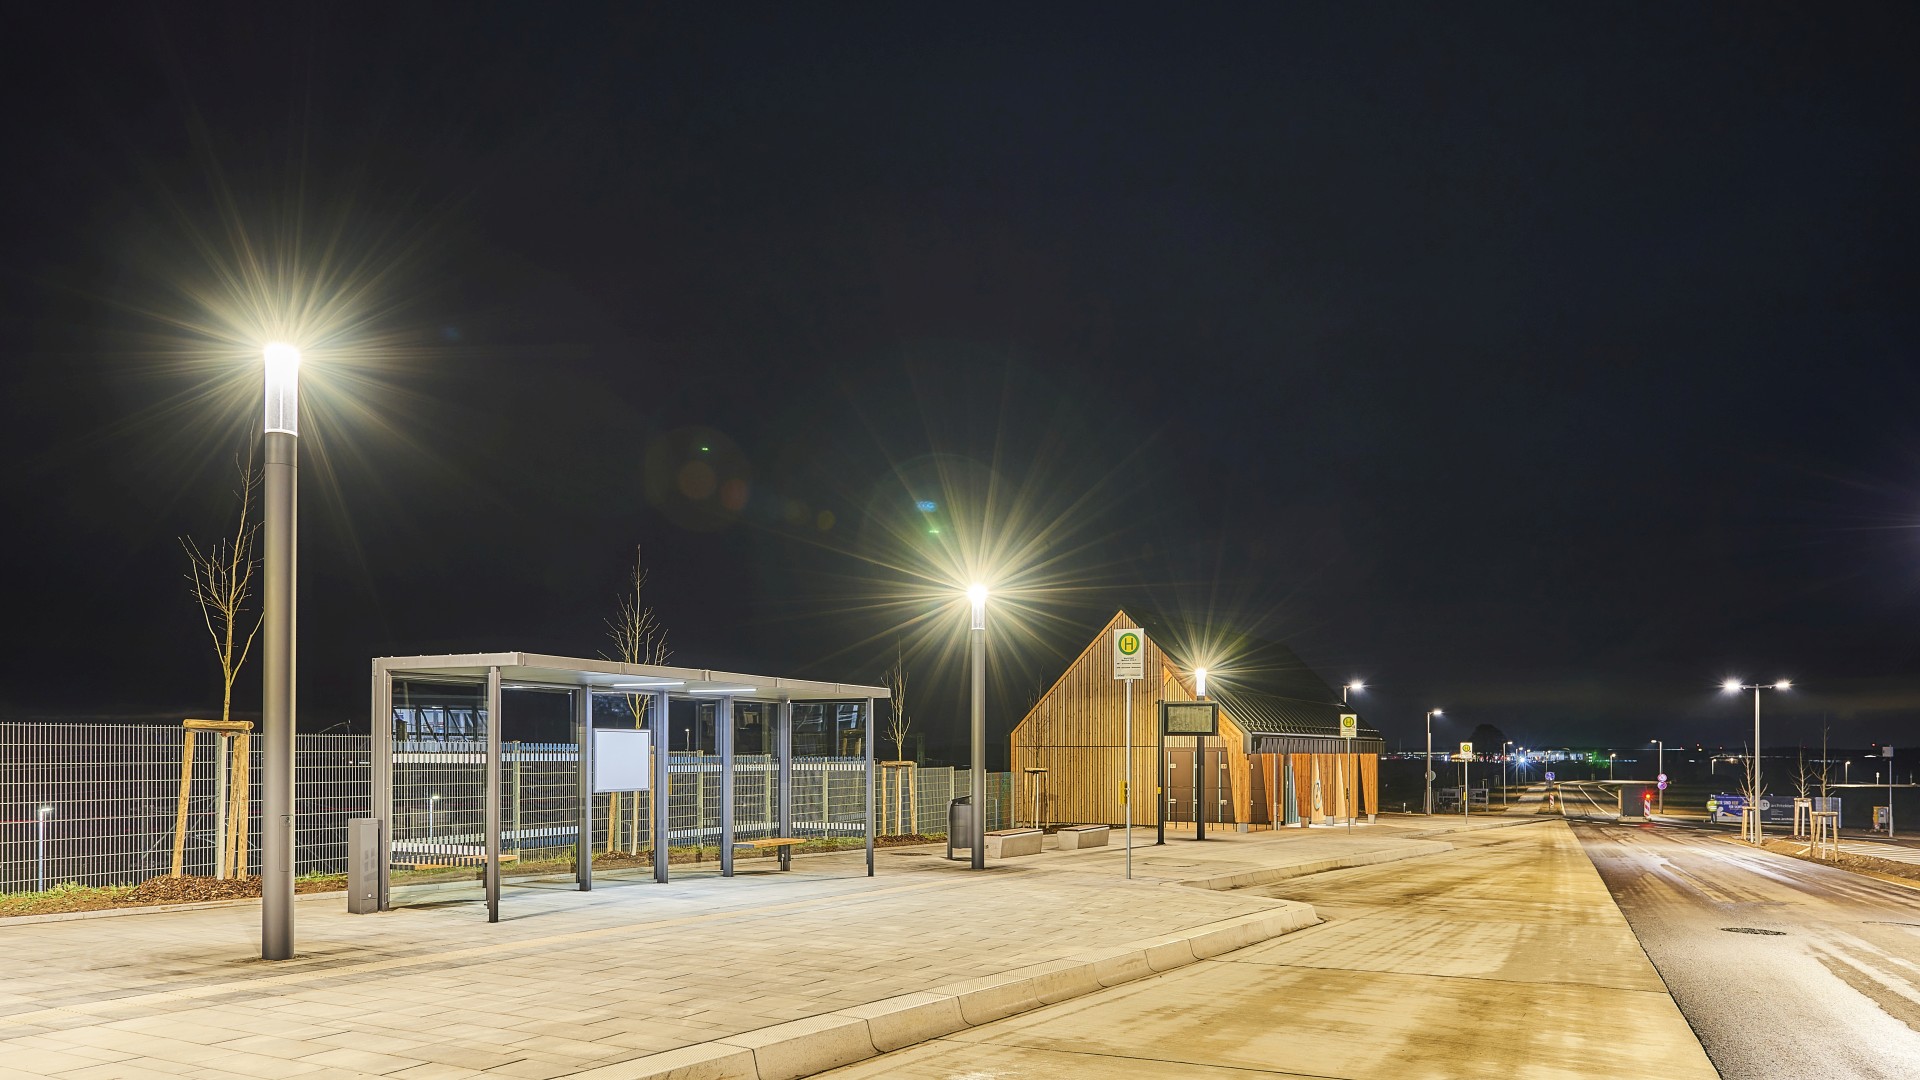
(783, 747)
(380, 727)
(491, 799)
(662, 748)
(867, 714)
(583, 782)
(723, 736)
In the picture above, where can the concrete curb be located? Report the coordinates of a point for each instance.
(818, 1043)
(1247, 879)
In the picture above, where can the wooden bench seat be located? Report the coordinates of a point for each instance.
(782, 844)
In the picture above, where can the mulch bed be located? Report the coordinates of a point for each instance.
(153, 891)
(1846, 861)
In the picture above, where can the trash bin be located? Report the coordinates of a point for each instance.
(363, 866)
(960, 825)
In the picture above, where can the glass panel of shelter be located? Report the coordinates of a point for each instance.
(439, 786)
(439, 781)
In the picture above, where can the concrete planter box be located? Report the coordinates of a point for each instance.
(1011, 843)
(1075, 837)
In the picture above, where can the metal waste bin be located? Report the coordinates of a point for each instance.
(363, 866)
(960, 825)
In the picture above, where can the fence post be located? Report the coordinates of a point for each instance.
(516, 796)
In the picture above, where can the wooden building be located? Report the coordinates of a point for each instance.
(1279, 757)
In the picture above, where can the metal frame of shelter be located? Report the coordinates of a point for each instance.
(584, 678)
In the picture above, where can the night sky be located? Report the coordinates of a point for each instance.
(1545, 363)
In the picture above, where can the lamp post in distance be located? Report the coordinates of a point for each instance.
(1431, 713)
(1734, 686)
(1660, 767)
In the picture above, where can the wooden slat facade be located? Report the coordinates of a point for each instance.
(1077, 732)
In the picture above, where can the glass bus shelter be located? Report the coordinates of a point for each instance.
(449, 791)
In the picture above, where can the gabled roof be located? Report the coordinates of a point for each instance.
(1268, 714)
(1263, 685)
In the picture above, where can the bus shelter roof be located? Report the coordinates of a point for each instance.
(519, 670)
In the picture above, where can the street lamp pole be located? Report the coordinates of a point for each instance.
(1506, 756)
(1609, 768)
(1428, 771)
(1660, 767)
(280, 510)
(977, 632)
(1734, 686)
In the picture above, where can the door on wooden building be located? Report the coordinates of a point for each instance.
(1218, 787)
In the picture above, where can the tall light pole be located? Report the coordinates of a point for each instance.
(1609, 768)
(1506, 757)
(1660, 768)
(977, 631)
(280, 510)
(1428, 772)
(1734, 686)
(1353, 773)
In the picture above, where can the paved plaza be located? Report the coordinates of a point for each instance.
(571, 983)
(1503, 957)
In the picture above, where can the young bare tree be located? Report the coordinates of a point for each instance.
(1824, 729)
(899, 720)
(636, 632)
(638, 638)
(221, 582)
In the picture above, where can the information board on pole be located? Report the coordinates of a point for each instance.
(1129, 654)
(1349, 725)
(1190, 718)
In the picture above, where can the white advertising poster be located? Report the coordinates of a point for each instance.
(622, 760)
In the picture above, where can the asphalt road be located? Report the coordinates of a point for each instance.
(1834, 991)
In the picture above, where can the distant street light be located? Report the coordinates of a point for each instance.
(1660, 768)
(977, 632)
(41, 827)
(1200, 682)
(1354, 685)
(282, 430)
(1506, 755)
(1431, 713)
(1734, 686)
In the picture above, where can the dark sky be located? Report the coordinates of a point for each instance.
(1546, 363)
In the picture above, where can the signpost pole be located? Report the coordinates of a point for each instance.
(1126, 786)
(1129, 663)
(1349, 730)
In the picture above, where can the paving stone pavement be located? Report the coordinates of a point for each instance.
(568, 982)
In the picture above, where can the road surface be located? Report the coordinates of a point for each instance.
(1832, 989)
(1502, 958)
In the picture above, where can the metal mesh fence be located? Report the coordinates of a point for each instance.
(97, 804)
